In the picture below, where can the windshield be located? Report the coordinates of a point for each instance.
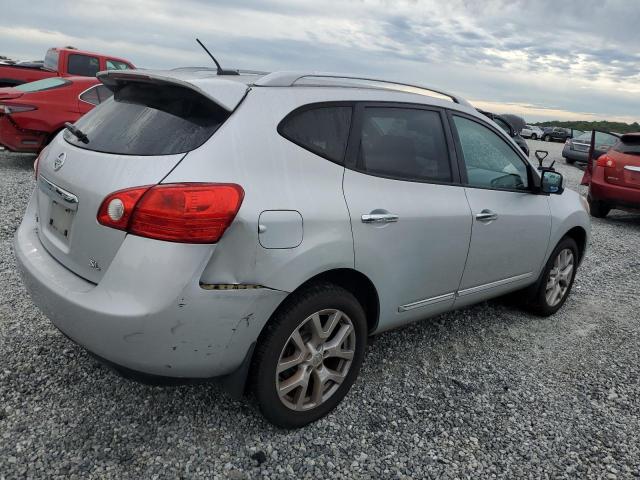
(44, 84)
(147, 119)
(51, 60)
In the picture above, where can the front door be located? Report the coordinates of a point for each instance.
(511, 225)
(411, 223)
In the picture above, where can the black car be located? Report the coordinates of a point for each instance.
(559, 134)
(506, 126)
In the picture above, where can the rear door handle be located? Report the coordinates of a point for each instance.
(379, 218)
(486, 215)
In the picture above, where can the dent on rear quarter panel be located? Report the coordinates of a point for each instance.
(275, 175)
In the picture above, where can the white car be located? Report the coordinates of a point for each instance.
(532, 132)
(260, 227)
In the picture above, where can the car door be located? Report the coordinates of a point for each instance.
(511, 224)
(601, 143)
(410, 218)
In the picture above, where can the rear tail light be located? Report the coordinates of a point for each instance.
(8, 109)
(36, 163)
(180, 212)
(606, 161)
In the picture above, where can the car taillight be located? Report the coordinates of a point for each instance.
(8, 109)
(36, 163)
(606, 161)
(180, 212)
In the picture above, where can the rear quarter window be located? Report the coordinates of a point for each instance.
(51, 60)
(323, 130)
(148, 119)
(41, 85)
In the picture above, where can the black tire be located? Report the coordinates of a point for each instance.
(598, 208)
(534, 136)
(546, 138)
(289, 317)
(538, 303)
(570, 161)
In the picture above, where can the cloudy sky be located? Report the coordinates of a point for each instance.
(544, 59)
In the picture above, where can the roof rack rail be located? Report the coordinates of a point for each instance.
(290, 79)
(214, 69)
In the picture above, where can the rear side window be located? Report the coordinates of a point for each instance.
(96, 95)
(404, 143)
(148, 119)
(83, 65)
(41, 85)
(322, 130)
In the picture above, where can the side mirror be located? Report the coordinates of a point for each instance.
(551, 182)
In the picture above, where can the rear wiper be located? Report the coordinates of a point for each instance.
(79, 134)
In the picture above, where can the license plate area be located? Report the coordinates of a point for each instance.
(60, 220)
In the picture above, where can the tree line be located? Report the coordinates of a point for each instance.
(618, 127)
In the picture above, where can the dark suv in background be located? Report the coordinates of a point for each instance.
(559, 134)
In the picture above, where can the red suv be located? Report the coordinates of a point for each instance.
(32, 114)
(615, 177)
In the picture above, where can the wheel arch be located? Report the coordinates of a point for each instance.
(579, 235)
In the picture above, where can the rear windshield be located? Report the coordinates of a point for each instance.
(631, 147)
(51, 60)
(44, 84)
(144, 119)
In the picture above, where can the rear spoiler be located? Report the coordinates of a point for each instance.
(225, 93)
(630, 138)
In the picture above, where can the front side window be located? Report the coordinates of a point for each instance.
(490, 162)
(404, 143)
(83, 65)
(116, 65)
(323, 130)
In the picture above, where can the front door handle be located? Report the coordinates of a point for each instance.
(486, 215)
(379, 218)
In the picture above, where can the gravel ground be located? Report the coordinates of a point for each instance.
(484, 392)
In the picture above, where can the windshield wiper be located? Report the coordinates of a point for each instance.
(79, 134)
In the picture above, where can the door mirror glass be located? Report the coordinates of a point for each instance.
(551, 182)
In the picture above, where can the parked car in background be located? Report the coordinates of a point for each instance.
(60, 62)
(261, 227)
(614, 175)
(31, 114)
(531, 131)
(559, 134)
(577, 149)
(508, 128)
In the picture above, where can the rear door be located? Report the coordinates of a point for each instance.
(134, 139)
(511, 225)
(410, 218)
(601, 143)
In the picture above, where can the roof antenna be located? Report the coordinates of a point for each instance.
(220, 70)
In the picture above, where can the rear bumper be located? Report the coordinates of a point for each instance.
(575, 155)
(615, 195)
(17, 140)
(148, 313)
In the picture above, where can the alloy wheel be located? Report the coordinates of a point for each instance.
(560, 277)
(315, 360)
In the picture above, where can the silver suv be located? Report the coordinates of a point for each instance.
(260, 227)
